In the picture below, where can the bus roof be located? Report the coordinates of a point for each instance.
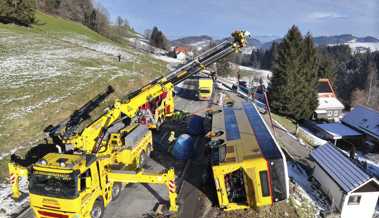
(245, 133)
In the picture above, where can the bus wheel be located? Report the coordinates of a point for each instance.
(97, 209)
(116, 190)
(142, 160)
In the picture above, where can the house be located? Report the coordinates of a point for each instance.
(357, 129)
(364, 120)
(329, 107)
(351, 191)
(181, 53)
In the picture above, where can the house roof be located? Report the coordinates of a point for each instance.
(363, 119)
(325, 88)
(340, 168)
(329, 103)
(181, 50)
(338, 130)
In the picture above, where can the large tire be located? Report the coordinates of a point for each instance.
(148, 150)
(116, 190)
(142, 160)
(97, 209)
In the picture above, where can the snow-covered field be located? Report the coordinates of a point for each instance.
(10, 207)
(45, 77)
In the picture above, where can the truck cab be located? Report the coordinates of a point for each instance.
(205, 88)
(68, 186)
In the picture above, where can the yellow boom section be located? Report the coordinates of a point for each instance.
(88, 139)
(151, 178)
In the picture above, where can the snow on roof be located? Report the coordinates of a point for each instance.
(338, 130)
(329, 103)
(340, 168)
(363, 119)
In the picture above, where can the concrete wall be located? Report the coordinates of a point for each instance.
(329, 187)
(309, 137)
(365, 209)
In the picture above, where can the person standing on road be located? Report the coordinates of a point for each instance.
(119, 57)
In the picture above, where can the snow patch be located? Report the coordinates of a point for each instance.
(9, 207)
(305, 189)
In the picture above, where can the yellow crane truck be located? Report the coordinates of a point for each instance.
(77, 172)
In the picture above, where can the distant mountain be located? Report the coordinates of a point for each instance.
(199, 42)
(362, 43)
(340, 39)
(192, 41)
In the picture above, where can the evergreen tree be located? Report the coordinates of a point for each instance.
(286, 69)
(158, 39)
(307, 82)
(17, 11)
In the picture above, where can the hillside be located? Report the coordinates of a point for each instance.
(54, 67)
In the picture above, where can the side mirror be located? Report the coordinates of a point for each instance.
(88, 182)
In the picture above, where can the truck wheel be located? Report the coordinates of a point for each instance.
(116, 190)
(97, 210)
(142, 160)
(149, 149)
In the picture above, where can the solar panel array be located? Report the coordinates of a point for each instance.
(339, 167)
(231, 125)
(265, 140)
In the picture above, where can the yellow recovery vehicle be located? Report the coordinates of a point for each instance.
(77, 173)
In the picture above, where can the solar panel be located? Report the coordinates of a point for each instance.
(231, 126)
(265, 141)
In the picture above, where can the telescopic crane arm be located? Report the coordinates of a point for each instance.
(88, 139)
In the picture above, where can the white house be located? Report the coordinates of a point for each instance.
(329, 107)
(352, 191)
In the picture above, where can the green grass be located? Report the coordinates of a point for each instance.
(288, 123)
(78, 80)
(58, 25)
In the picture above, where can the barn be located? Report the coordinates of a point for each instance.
(351, 190)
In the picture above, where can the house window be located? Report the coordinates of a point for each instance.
(336, 113)
(354, 200)
(330, 113)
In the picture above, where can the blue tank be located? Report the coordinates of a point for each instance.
(183, 148)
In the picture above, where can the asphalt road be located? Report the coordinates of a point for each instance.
(140, 200)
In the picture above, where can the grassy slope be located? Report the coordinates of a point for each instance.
(51, 69)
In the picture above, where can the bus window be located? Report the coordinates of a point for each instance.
(235, 187)
(264, 183)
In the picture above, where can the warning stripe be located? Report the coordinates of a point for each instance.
(12, 178)
(171, 186)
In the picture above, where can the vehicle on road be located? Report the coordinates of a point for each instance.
(205, 88)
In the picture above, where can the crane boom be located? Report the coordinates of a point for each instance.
(131, 104)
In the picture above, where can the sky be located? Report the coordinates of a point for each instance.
(265, 19)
